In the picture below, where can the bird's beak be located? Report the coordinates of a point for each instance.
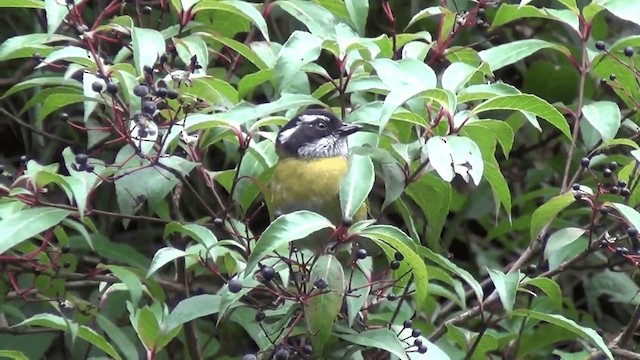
(348, 129)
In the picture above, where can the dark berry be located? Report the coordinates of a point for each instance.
(613, 165)
(613, 77)
(398, 256)
(416, 332)
(148, 70)
(628, 51)
(161, 92)
(143, 133)
(249, 357)
(162, 84)
(149, 107)
(577, 195)
(277, 214)
(163, 58)
(407, 324)
(625, 191)
(259, 315)
(614, 190)
(218, 222)
(422, 349)
(140, 90)
(96, 86)
(531, 270)
(481, 11)
(307, 349)
(320, 283)
(604, 243)
(112, 88)
(65, 249)
(391, 297)
(622, 184)
(632, 231)
(64, 116)
(146, 10)
(585, 162)
(622, 251)
(172, 94)
(66, 264)
(417, 342)
(347, 221)
(603, 210)
(607, 172)
(268, 273)
(235, 285)
(282, 354)
(600, 45)
(23, 160)
(81, 159)
(89, 168)
(576, 187)
(395, 265)
(361, 254)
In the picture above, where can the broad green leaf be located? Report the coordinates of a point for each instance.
(148, 45)
(35, 4)
(317, 19)
(390, 236)
(424, 13)
(455, 155)
(323, 306)
(83, 332)
(508, 13)
(117, 337)
(357, 184)
(384, 339)
(12, 354)
(549, 287)
(626, 10)
(28, 223)
(506, 286)
(164, 256)
(433, 196)
(251, 81)
(359, 293)
(283, 230)
(358, 11)
(456, 75)
(197, 232)
(585, 333)
(130, 280)
(563, 245)
(529, 103)
(502, 55)
(454, 269)
(499, 185)
(629, 213)
(547, 212)
(190, 309)
(604, 117)
(240, 48)
(300, 49)
(619, 287)
(242, 8)
(72, 54)
(147, 328)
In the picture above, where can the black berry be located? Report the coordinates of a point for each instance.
(81, 159)
(161, 92)
(23, 160)
(320, 283)
(603, 210)
(65, 249)
(417, 342)
(531, 270)
(613, 165)
(249, 357)
(235, 285)
(307, 349)
(416, 332)
(347, 221)
(146, 10)
(96, 86)
(614, 190)
(395, 265)
(585, 162)
(112, 88)
(632, 231)
(282, 354)
(218, 222)
(398, 256)
(422, 349)
(613, 77)
(607, 172)
(628, 51)
(259, 315)
(64, 116)
(268, 273)
(148, 70)
(141, 90)
(625, 191)
(407, 324)
(149, 107)
(576, 187)
(577, 195)
(391, 297)
(622, 251)
(361, 254)
(600, 45)
(172, 94)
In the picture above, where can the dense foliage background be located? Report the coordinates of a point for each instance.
(498, 156)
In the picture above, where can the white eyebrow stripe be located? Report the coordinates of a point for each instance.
(312, 118)
(284, 135)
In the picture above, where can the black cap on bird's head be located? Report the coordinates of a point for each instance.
(314, 133)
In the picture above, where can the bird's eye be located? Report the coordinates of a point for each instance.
(321, 125)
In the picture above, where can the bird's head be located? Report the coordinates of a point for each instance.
(314, 133)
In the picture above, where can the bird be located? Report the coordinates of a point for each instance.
(312, 151)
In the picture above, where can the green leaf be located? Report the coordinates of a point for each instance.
(626, 10)
(499, 185)
(118, 337)
(28, 223)
(384, 339)
(240, 48)
(508, 13)
(424, 13)
(300, 49)
(502, 55)
(549, 287)
(283, 230)
(629, 213)
(323, 306)
(452, 155)
(197, 232)
(454, 269)
(35, 4)
(358, 11)
(190, 309)
(545, 213)
(12, 354)
(84, 332)
(604, 117)
(241, 8)
(164, 256)
(433, 196)
(563, 245)
(528, 103)
(72, 54)
(130, 280)
(55, 102)
(148, 45)
(506, 286)
(251, 81)
(148, 328)
(357, 184)
(317, 19)
(585, 333)
(399, 241)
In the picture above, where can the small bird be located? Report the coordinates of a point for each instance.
(312, 150)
